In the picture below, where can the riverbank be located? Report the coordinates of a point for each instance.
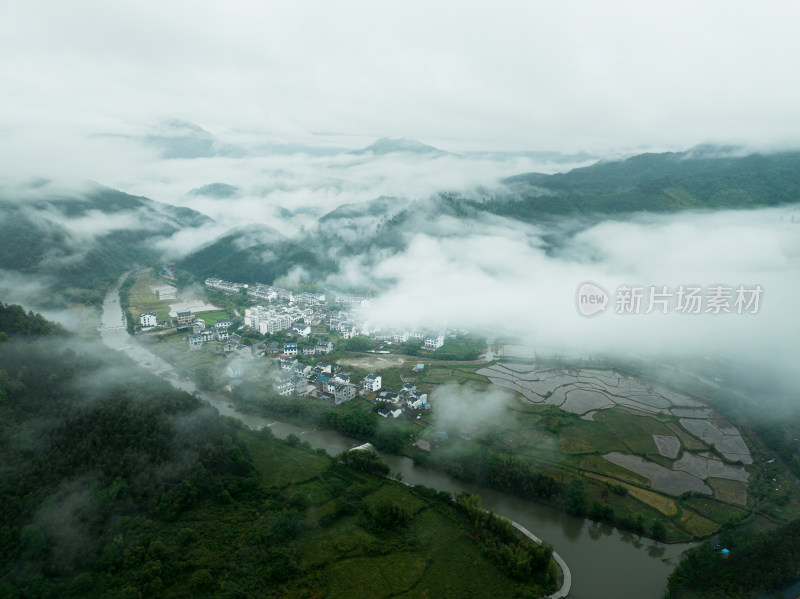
(566, 574)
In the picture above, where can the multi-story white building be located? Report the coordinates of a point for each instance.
(372, 383)
(148, 319)
(309, 299)
(224, 286)
(324, 347)
(252, 316)
(434, 342)
(269, 320)
(284, 386)
(342, 392)
(417, 399)
(301, 329)
(273, 324)
(262, 293)
(287, 363)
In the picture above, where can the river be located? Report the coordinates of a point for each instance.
(605, 563)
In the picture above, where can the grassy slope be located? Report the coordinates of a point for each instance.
(433, 557)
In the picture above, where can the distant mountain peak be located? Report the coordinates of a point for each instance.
(387, 145)
(216, 190)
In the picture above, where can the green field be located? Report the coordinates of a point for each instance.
(344, 555)
(142, 299)
(212, 316)
(571, 448)
(451, 373)
(280, 464)
(205, 366)
(548, 439)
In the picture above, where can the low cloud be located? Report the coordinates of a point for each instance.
(517, 282)
(464, 410)
(68, 518)
(185, 241)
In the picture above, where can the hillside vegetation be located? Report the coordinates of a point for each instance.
(116, 485)
(668, 182)
(79, 243)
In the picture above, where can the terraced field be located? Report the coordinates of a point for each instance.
(672, 441)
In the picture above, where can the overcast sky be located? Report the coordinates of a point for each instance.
(92, 89)
(562, 75)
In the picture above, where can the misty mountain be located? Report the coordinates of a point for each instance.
(365, 233)
(83, 240)
(361, 230)
(703, 177)
(386, 145)
(257, 253)
(40, 197)
(182, 139)
(379, 207)
(216, 190)
(540, 156)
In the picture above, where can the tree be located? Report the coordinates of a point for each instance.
(205, 378)
(201, 579)
(576, 498)
(389, 515)
(390, 437)
(358, 343)
(658, 531)
(411, 347)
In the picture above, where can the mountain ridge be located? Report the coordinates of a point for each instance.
(387, 145)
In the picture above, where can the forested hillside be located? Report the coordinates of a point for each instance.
(668, 182)
(79, 243)
(257, 254)
(113, 484)
(98, 458)
(15, 322)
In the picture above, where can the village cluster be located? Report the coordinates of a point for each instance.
(322, 381)
(294, 314)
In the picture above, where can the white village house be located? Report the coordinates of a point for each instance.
(342, 392)
(372, 383)
(195, 341)
(434, 342)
